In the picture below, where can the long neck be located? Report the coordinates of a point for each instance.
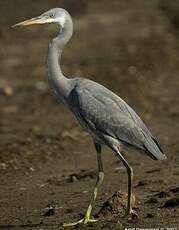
(58, 82)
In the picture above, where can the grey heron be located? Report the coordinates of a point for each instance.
(104, 115)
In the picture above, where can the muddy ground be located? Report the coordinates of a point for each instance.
(46, 159)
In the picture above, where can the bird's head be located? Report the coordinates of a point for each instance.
(56, 15)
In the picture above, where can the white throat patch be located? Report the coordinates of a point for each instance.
(62, 20)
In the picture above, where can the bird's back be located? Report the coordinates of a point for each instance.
(108, 117)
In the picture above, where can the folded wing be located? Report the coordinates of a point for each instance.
(103, 112)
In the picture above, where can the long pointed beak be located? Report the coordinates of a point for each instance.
(32, 21)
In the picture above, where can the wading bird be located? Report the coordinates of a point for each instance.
(108, 119)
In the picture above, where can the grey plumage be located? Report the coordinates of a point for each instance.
(107, 118)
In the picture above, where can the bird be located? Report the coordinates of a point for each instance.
(107, 118)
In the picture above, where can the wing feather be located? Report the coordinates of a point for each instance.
(103, 112)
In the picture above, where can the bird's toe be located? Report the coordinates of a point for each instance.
(132, 214)
(84, 220)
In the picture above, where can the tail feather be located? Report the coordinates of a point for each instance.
(153, 148)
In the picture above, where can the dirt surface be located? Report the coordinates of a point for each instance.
(47, 162)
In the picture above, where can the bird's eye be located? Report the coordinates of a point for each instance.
(51, 15)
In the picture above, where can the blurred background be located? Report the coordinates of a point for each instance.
(131, 47)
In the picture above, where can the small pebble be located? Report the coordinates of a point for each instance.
(175, 190)
(171, 203)
(150, 215)
(73, 178)
(141, 183)
(162, 194)
(50, 211)
(6, 90)
(3, 165)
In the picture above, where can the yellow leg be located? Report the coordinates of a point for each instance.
(129, 211)
(87, 218)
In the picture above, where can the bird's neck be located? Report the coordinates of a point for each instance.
(58, 82)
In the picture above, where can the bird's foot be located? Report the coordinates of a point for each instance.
(131, 214)
(84, 220)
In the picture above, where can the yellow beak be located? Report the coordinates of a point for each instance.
(32, 21)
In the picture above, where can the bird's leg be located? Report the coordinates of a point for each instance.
(87, 218)
(129, 211)
(98, 182)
